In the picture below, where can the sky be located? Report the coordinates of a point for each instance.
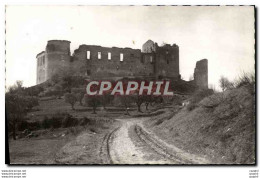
(222, 34)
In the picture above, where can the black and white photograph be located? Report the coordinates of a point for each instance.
(130, 85)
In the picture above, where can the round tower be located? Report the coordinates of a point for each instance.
(57, 55)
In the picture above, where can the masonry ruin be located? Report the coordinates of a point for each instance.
(97, 62)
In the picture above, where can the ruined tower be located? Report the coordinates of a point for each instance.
(167, 61)
(201, 74)
(56, 57)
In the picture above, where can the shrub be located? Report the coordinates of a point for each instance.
(56, 120)
(34, 125)
(201, 94)
(69, 121)
(177, 100)
(46, 123)
(85, 121)
(31, 102)
(191, 106)
(197, 97)
(246, 79)
(79, 93)
(23, 125)
(225, 84)
(71, 99)
(59, 120)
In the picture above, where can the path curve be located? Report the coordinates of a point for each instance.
(132, 144)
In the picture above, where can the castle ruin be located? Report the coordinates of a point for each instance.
(90, 61)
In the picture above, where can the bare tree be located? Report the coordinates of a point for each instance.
(225, 83)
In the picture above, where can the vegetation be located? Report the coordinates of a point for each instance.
(93, 101)
(197, 97)
(18, 104)
(225, 84)
(71, 99)
(79, 93)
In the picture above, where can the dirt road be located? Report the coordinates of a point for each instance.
(130, 143)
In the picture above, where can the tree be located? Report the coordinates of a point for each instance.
(93, 101)
(18, 103)
(17, 88)
(139, 100)
(147, 100)
(106, 99)
(225, 83)
(71, 99)
(126, 101)
(15, 110)
(79, 93)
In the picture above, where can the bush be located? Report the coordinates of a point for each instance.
(197, 97)
(23, 125)
(85, 121)
(57, 119)
(246, 79)
(191, 106)
(177, 100)
(31, 102)
(69, 121)
(225, 84)
(46, 123)
(34, 91)
(201, 94)
(79, 93)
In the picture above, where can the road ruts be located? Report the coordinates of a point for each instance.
(131, 144)
(125, 147)
(169, 151)
(105, 148)
(157, 147)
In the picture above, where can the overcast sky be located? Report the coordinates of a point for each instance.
(223, 35)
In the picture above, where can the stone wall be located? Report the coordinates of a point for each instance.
(133, 64)
(102, 62)
(41, 67)
(201, 74)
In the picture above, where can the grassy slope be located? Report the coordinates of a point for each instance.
(45, 148)
(222, 127)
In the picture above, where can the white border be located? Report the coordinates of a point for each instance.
(120, 172)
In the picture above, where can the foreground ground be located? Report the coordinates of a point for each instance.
(220, 129)
(125, 142)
